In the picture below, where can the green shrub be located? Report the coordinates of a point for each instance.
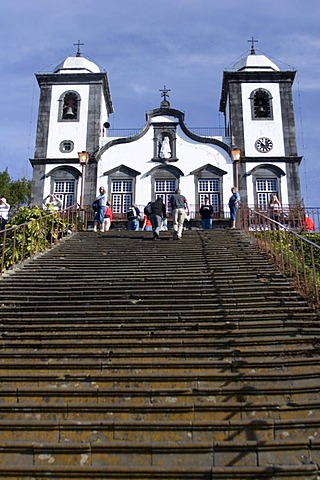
(29, 231)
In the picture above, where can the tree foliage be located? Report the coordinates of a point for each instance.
(16, 192)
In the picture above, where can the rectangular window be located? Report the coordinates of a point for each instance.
(64, 190)
(121, 195)
(209, 185)
(164, 189)
(210, 188)
(264, 188)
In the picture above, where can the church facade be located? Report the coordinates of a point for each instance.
(255, 151)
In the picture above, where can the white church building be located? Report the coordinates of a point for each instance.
(255, 151)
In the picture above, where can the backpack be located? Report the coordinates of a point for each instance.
(148, 209)
(96, 205)
(234, 200)
(131, 213)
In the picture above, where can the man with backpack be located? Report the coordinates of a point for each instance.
(158, 213)
(133, 215)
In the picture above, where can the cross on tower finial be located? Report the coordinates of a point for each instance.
(78, 45)
(253, 41)
(164, 92)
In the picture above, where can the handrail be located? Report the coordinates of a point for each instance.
(297, 256)
(19, 242)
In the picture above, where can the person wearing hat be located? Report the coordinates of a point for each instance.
(4, 212)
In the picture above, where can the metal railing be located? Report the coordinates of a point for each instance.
(293, 216)
(201, 131)
(20, 242)
(295, 254)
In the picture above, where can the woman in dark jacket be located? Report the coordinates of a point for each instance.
(158, 214)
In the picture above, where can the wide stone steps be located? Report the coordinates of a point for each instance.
(121, 357)
(283, 472)
(195, 459)
(188, 431)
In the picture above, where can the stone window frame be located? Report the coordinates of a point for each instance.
(64, 174)
(209, 172)
(63, 144)
(268, 173)
(122, 173)
(72, 95)
(263, 97)
(162, 130)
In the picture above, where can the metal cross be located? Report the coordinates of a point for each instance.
(253, 41)
(78, 45)
(164, 92)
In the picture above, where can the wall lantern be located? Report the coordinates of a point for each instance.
(83, 159)
(236, 157)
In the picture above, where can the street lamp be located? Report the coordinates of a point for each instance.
(235, 155)
(83, 159)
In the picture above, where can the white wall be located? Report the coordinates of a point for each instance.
(191, 154)
(60, 131)
(254, 129)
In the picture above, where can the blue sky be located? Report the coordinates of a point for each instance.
(144, 45)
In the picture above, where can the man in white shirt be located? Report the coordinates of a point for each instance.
(4, 212)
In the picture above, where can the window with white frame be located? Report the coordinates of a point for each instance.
(121, 191)
(210, 188)
(264, 188)
(65, 190)
(165, 188)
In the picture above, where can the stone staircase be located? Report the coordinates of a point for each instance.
(125, 358)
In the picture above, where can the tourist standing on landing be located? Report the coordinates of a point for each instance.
(234, 202)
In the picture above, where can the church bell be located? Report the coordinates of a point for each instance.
(69, 113)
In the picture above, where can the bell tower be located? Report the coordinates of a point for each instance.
(257, 103)
(74, 105)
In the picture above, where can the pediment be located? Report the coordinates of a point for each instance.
(210, 169)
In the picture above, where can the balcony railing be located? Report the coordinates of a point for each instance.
(201, 131)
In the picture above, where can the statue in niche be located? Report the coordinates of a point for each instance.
(165, 149)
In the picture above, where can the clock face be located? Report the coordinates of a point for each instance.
(264, 144)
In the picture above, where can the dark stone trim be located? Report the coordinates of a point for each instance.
(176, 172)
(209, 168)
(230, 77)
(270, 167)
(49, 161)
(43, 121)
(49, 79)
(293, 159)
